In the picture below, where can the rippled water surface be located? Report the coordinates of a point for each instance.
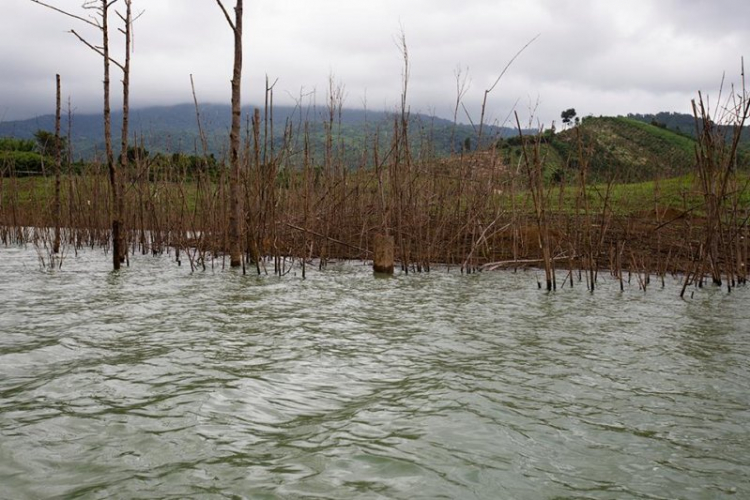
(158, 383)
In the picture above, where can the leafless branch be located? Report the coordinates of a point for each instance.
(96, 49)
(489, 90)
(468, 117)
(507, 66)
(133, 20)
(226, 14)
(74, 16)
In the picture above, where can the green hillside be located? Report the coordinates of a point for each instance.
(681, 122)
(613, 147)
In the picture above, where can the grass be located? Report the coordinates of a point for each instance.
(629, 199)
(667, 136)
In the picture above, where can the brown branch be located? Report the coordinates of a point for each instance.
(319, 235)
(226, 14)
(512, 59)
(676, 218)
(482, 238)
(132, 21)
(97, 50)
(489, 90)
(494, 266)
(56, 9)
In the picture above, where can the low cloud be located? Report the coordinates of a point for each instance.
(599, 57)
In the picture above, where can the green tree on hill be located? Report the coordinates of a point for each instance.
(47, 145)
(568, 116)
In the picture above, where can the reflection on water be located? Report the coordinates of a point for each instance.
(158, 383)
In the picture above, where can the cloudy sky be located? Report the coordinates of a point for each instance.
(601, 57)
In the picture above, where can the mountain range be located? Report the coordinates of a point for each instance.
(174, 129)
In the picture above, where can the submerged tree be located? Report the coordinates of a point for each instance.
(100, 21)
(235, 234)
(58, 166)
(716, 154)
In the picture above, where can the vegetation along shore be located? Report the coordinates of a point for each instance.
(635, 197)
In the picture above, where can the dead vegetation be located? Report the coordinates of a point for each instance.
(274, 203)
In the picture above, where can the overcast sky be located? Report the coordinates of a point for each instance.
(602, 57)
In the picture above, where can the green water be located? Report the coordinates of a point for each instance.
(158, 383)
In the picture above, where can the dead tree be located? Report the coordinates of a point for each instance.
(235, 234)
(492, 87)
(58, 167)
(119, 249)
(100, 21)
(716, 154)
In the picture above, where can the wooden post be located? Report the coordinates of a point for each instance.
(383, 254)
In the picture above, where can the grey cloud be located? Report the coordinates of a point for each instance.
(601, 57)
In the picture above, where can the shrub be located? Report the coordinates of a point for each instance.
(23, 163)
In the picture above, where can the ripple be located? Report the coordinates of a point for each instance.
(158, 383)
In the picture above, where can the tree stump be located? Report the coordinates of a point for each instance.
(383, 254)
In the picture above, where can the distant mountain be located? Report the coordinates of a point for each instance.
(171, 129)
(683, 123)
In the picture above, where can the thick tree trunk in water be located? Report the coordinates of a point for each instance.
(58, 167)
(113, 181)
(383, 246)
(120, 202)
(235, 233)
(116, 203)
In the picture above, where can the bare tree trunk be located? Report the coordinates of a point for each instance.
(533, 164)
(58, 167)
(119, 199)
(235, 233)
(102, 24)
(111, 167)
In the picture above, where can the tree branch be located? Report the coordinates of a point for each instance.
(133, 20)
(507, 66)
(97, 50)
(56, 9)
(489, 90)
(226, 14)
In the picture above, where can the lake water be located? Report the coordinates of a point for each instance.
(159, 383)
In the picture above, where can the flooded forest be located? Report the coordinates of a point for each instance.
(273, 200)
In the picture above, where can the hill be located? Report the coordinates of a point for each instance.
(623, 148)
(633, 148)
(172, 129)
(683, 123)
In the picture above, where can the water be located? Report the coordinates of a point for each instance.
(158, 383)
